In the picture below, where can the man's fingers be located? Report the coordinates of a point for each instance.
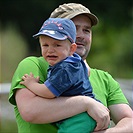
(103, 124)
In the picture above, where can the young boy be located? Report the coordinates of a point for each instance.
(67, 73)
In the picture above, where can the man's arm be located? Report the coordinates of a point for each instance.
(122, 115)
(36, 109)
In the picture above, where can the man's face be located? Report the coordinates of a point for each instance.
(84, 35)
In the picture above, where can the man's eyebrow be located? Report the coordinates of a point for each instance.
(88, 27)
(85, 26)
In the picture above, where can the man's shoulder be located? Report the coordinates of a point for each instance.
(99, 72)
(33, 59)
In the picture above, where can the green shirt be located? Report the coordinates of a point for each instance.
(105, 88)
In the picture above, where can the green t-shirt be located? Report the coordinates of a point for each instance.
(105, 88)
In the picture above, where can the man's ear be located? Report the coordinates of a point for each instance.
(73, 48)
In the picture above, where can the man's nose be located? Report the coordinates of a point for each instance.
(79, 33)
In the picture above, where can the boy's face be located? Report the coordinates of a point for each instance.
(54, 50)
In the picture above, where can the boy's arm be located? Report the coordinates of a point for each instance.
(39, 89)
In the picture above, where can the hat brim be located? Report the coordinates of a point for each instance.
(54, 34)
(91, 16)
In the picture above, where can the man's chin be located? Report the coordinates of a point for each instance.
(81, 52)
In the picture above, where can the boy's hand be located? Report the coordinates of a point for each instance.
(29, 80)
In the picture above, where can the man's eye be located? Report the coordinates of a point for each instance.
(58, 45)
(87, 30)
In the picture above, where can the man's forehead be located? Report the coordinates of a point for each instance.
(82, 20)
(83, 26)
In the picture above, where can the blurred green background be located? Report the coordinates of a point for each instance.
(112, 43)
(112, 38)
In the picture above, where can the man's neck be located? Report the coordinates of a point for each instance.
(87, 67)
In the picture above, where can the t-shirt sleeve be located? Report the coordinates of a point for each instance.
(106, 88)
(30, 64)
(115, 94)
(60, 80)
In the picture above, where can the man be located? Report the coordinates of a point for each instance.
(32, 109)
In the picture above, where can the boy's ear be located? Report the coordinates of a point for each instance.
(73, 48)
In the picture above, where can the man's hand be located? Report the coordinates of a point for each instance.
(100, 114)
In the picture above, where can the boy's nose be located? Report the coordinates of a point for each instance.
(50, 49)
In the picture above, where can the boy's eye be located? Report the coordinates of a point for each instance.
(58, 45)
(45, 45)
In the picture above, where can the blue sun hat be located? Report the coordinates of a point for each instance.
(58, 28)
